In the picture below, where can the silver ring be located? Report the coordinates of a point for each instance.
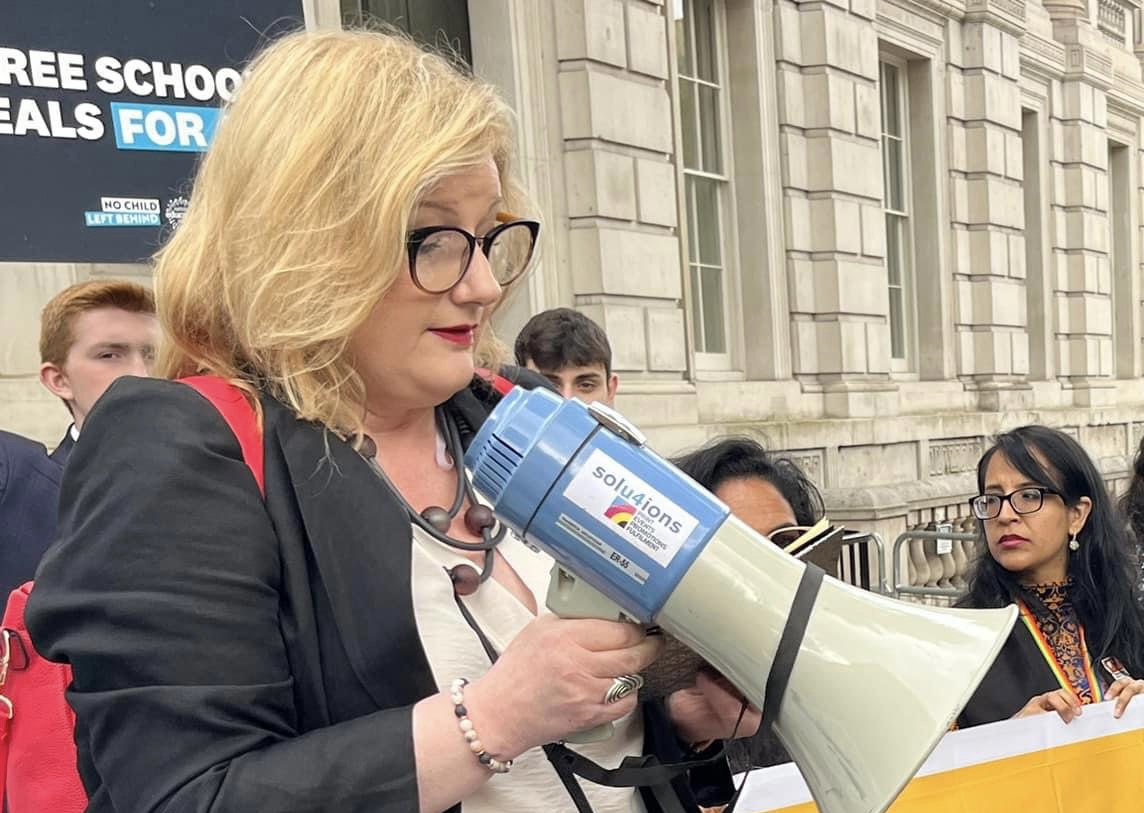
(622, 686)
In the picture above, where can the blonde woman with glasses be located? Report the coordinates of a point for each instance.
(328, 646)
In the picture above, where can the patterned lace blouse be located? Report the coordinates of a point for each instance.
(1061, 627)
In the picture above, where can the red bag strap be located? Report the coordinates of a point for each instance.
(14, 621)
(5, 743)
(237, 411)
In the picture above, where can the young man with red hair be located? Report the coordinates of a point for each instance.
(91, 334)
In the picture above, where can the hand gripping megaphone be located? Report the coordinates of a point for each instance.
(871, 683)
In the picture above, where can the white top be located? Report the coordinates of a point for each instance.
(454, 651)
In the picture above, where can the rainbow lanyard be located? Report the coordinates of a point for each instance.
(1051, 657)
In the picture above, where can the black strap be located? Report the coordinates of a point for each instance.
(567, 777)
(790, 642)
(783, 664)
(562, 767)
(486, 644)
(646, 771)
(633, 772)
(667, 799)
(642, 771)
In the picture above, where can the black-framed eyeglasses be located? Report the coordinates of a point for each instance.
(440, 256)
(1027, 500)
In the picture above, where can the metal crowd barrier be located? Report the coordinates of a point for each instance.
(855, 560)
(902, 589)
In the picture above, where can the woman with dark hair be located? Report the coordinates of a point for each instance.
(1057, 547)
(766, 492)
(1132, 504)
(774, 497)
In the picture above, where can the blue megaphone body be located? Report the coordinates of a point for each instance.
(577, 482)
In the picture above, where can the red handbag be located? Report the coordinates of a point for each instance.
(37, 742)
(37, 726)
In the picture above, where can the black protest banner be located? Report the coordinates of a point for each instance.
(105, 109)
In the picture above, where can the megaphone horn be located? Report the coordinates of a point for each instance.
(875, 683)
(859, 687)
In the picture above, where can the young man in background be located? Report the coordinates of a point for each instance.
(91, 334)
(572, 352)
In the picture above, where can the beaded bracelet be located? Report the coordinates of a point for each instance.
(457, 695)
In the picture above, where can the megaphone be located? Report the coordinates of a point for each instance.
(875, 682)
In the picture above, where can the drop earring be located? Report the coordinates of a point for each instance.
(1073, 544)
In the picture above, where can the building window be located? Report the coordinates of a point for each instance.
(435, 23)
(1125, 326)
(1038, 290)
(896, 183)
(706, 176)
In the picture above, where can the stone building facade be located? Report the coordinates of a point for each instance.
(871, 232)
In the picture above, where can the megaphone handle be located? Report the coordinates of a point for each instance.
(570, 597)
(599, 733)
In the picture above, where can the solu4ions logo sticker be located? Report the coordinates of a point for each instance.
(640, 514)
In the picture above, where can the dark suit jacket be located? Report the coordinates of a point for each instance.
(29, 489)
(61, 453)
(231, 654)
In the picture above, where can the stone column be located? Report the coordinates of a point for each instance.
(1080, 215)
(830, 128)
(1078, 119)
(986, 170)
(617, 128)
(322, 14)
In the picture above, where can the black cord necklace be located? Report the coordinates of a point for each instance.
(436, 521)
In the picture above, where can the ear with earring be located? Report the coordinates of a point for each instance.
(1074, 545)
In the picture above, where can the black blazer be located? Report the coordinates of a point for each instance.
(29, 488)
(231, 654)
(1019, 674)
(61, 453)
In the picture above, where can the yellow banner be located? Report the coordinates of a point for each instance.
(1033, 765)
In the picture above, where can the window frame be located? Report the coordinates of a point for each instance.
(725, 362)
(1036, 179)
(1123, 260)
(906, 365)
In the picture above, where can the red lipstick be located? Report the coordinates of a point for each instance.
(462, 335)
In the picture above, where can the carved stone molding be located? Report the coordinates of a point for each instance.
(954, 456)
(1113, 20)
(1008, 15)
(907, 19)
(935, 9)
(811, 462)
(1066, 10)
(1105, 441)
(1048, 53)
(1082, 62)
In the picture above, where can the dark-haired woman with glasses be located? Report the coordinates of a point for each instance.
(1054, 545)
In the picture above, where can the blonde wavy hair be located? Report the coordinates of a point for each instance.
(297, 223)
